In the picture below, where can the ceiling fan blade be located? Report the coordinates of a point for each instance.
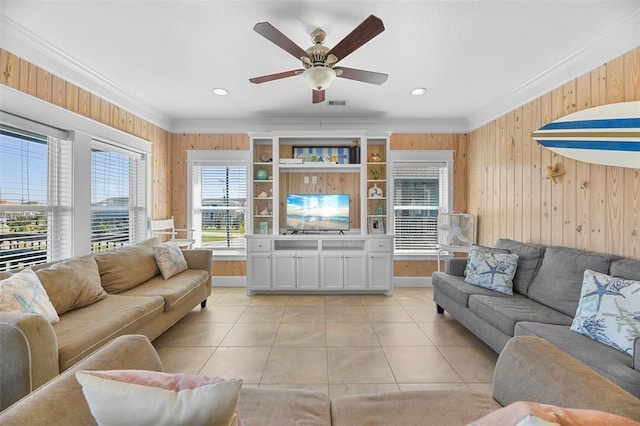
(362, 75)
(318, 96)
(272, 34)
(368, 29)
(277, 76)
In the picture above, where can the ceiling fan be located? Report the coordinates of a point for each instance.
(318, 61)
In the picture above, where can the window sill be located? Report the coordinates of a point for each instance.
(418, 256)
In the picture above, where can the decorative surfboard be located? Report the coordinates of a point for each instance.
(607, 134)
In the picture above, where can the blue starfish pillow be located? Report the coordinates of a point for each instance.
(491, 269)
(609, 310)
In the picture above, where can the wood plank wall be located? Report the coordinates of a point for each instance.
(591, 207)
(434, 141)
(22, 75)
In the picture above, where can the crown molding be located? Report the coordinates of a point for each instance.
(608, 45)
(268, 125)
(24, 43)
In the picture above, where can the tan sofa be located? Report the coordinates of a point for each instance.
(529, 369)
(98, 298)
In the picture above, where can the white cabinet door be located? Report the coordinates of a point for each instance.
(259, 273)
(380, 271)
(355, 271)
(307, 271)
(332, 271)
(284, 271)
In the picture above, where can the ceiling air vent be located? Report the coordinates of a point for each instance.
(337, 103)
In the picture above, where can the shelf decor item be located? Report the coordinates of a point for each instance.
(376, 225)
(264, 227)
(375, 192)
(265, 157)
(322, 154)
(375, 174)
(375, 157)
(262, 174)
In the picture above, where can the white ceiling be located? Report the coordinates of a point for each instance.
(161, 59)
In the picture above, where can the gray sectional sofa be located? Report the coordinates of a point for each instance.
(129, 296)
(529, 369)
(547, 287)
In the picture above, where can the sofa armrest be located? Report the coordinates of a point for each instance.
(455, 266)
(29, 355)
(61, 400)
(636, 354)
(198, 259)
(532, 369)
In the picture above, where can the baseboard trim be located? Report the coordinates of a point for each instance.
(232, 281)
(412, 282)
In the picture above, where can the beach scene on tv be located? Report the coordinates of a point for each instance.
(317, 212)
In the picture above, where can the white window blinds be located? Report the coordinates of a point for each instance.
(35, 197)
(118, 212)
(219, 203)
(421, 189)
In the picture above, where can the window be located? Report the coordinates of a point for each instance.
(35, 197)
(421, 190)
(219, 199)
(118, 213)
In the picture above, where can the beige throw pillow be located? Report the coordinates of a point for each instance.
(23, 293)
(72, 284)
(127, 267)
(140, 397)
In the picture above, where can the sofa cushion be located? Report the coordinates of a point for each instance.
(170, 259)
(559, 280)
(156, 398)
(531, 413)
(609, 311)
(284, 407)
(72, 283)
(529, 260)
(455, 288)
(84, 330)
(174, 290)
(443, 407)
(23, 293)
(127, 267)
(504, 312)
(491, 270)
(625, 268)
(611, 363)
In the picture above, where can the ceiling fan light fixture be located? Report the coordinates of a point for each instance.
(220, 91)
(319, 77)
(418, 91)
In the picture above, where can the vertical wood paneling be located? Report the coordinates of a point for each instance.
(43, 84)
(9, 69)
(583, 174)
(59, 91)
(28, 78)
(591, 207)
(569, 191)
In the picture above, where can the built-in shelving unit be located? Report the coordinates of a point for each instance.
(352, 163)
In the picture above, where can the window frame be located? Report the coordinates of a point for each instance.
(217, 158)
(58, 207)
(137, 196)
(398, 158)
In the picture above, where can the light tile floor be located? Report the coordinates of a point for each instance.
(336, 344)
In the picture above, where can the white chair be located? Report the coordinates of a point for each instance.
(167, 227)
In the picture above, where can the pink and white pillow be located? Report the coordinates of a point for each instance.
(141, 397)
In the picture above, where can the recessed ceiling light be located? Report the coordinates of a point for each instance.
(418, 91)
(220, 91)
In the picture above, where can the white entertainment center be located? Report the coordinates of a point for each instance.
(353, 258)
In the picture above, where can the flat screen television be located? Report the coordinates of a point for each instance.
(317, 212)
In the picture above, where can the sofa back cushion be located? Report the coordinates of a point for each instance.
(529, 260)
(72, 284)
(127, 267)
(559, 280)
(626, 268)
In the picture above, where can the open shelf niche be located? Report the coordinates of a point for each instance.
(318, 163)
